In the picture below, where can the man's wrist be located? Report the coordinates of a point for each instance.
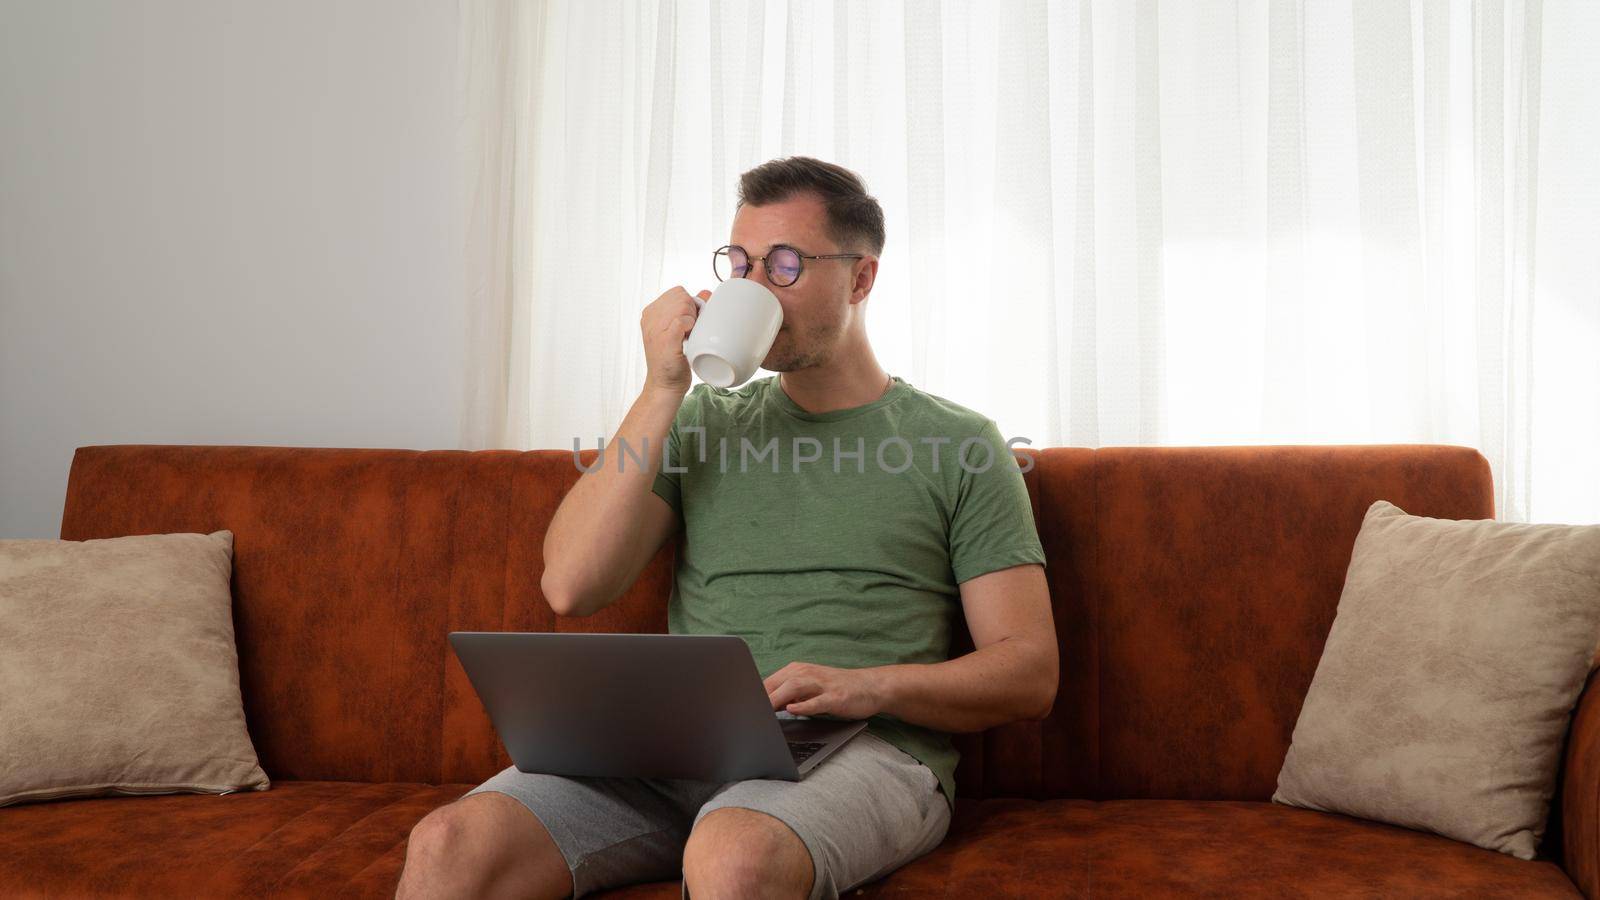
(886, 684)
(664, 396)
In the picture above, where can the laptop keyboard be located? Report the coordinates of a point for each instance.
(802, 750)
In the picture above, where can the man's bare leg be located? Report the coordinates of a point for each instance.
(483, 845)
(738, 853)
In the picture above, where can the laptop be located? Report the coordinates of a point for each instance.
(640, 705)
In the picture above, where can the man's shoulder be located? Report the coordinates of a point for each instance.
(959, 420)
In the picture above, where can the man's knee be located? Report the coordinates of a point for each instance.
(468, 846)
(735, 852)
(435, 852)
(440, 835)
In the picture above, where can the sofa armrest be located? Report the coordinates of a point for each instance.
(1580, 794)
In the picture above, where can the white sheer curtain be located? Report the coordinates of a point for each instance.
(1108, 223)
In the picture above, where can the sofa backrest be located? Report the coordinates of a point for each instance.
(1192, 587)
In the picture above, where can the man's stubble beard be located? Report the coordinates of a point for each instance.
(795, 354)
(805, 347)
(786, 358)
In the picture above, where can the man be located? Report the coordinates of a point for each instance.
(833, 517)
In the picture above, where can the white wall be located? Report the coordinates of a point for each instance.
(223, 223)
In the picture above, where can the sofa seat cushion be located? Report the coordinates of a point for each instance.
(301, 838)
(309, 838)
(1133, 848)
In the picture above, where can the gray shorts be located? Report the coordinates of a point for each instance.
(862, 813)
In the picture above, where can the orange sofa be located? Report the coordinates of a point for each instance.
(1193, 588)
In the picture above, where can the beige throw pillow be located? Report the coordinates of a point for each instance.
(118, 672)
(1447, 683)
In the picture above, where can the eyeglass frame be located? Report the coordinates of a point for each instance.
(763, 260)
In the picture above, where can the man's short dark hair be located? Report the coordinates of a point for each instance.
(855, 220)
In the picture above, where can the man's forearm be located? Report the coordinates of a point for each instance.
(1006, 681)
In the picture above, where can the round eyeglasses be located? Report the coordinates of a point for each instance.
(782, 262)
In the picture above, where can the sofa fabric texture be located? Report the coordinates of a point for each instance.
(118, 670)
(1445, 691)
(1192, 591)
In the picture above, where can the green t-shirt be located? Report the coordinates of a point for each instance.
(839, 538)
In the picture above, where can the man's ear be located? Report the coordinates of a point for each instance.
(864, 279)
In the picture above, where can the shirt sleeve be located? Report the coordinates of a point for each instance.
(992, 527)
(669, 485)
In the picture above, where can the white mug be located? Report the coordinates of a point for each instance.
(733, 331)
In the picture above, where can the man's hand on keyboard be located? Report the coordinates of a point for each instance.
(809, 689)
